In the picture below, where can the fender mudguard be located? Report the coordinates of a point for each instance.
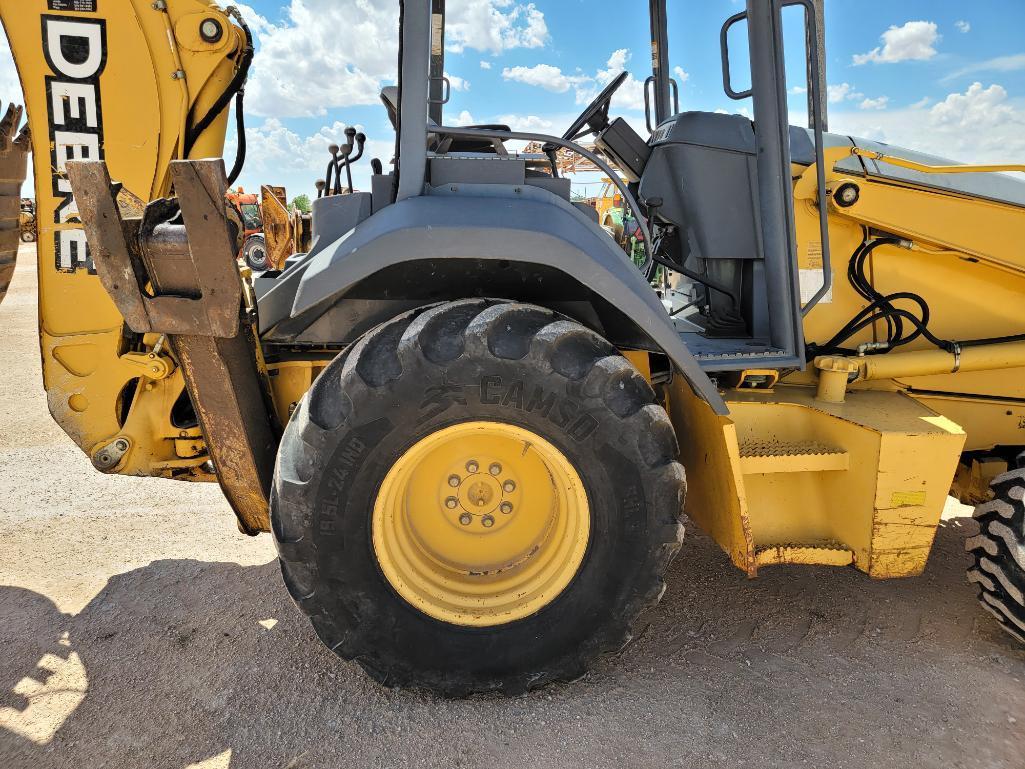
(490, 223)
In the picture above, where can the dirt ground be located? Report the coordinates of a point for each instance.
(139, 629)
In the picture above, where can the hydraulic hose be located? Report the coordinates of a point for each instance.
(881, 308)
(235, 87)
(240, 130)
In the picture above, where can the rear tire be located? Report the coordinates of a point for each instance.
(255, 253)
(999, 553)
(28, 236)
(420, 375)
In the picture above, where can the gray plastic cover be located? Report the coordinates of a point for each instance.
(494, 222)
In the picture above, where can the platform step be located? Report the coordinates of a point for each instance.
(832, 554)
(766, 456)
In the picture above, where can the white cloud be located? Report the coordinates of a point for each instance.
(464, 118)
(629, 96)
(493, 25)
(300, 70)
(798, 90)
(975, 108)
(543, 76)
(1012, 63)
(922, 103)
(963, 26)
(524, 123)
(915, 41)
(879, 103)
(458, 83)
(841, 92)
(485, 64)
(681, 76)
(981, 125)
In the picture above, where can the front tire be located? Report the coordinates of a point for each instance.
(471, 377)
(999, 552)
(28, 236)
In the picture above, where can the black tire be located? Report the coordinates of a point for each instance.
(422, 372)
(999, 552)
(255, 253)
(28, 236)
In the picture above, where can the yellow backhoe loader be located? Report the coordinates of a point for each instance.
(464, 414)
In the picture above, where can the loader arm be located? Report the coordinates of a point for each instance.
(124, 82)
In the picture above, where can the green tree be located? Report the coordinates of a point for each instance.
(301, 203)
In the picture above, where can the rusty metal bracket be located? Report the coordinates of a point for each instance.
(174, 272)
(203, 293)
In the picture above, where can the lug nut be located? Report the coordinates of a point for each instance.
(487, 521)
(451, 503)
(453, 481)
(495, 469)
(506, 508)
(472, 467)
(509, 487)
(466, 519)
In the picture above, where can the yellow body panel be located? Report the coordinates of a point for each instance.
(716, 492)
(964, 258)
(789, 479)
(119, 100)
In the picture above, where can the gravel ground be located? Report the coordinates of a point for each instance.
(139, 629)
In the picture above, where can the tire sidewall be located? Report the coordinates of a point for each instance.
(390, 419)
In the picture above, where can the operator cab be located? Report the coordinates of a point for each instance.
(714, 191)
(711, 195)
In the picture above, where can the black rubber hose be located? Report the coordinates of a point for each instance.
(240, 130)
(234, 87)
(881, 308)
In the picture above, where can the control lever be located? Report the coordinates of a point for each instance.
(333, 149)
(350, 159)
(321, 186)
(350, 140)
(377, 167)
(343, 161)
(552, 153)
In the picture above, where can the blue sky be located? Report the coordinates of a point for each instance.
(948, 77)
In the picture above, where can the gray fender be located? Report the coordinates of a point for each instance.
(496, 222)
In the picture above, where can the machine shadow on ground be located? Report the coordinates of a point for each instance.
(182, 662)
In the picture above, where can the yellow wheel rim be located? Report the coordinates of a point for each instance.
(481, 524)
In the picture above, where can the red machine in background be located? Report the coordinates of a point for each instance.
(250, 212)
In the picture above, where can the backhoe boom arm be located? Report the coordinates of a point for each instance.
(123, 81)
